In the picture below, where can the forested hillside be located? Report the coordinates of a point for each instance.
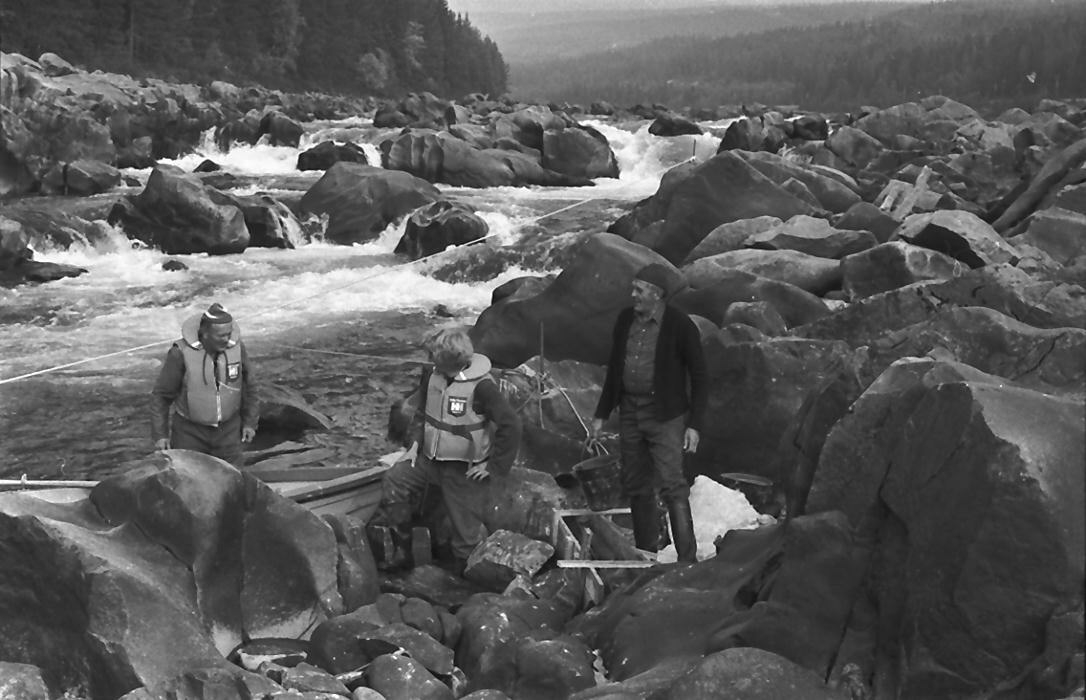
(377, 47)
(984, 52)
(547, 34)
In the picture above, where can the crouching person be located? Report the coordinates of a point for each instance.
(468, 433)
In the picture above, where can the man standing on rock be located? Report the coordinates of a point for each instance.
(468, 433)
(207, 382)
(655, 354)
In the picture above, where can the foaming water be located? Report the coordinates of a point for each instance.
(644, 158)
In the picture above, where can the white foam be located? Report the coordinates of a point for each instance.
(716, 509)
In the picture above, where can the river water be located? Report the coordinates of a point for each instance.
(295, 307)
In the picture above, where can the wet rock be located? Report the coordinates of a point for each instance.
(361, 200)
(305, 678)
(434, 228)
(813, 237)
(853, 146)
(207, 166)
(419, 645)
(283, 652)
(421, 615)
(750, 674)
(833, 190)
(553, 669)
(652, 683)
(281, 129)
(402, 678)
(757, 314)
(433, 584)
(1046, 359)
(730, 236)
(694, 200)
(55, 66)
(727, 286)
(504, 555)
(864, 216)
(22, 682)
(492, 626)
(357, 575)
(671, 124)
(327, 153)
(809, 273)
(81, 178)
(966, 463)
(959, 234)
(337, 644)
(767, 383)
(524, 502)
(894, 265)
(207, 683)
(271, 223)
(177, 213)
(579, 151)
(286, 414)
(41, 271)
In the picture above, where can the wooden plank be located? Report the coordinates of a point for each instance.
(310, 490)
(568, 512)
(604, 564)
(274, 476)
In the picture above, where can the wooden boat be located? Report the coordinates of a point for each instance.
(322, 490)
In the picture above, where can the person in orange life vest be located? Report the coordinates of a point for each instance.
(467, 433)
(655, 354)
(206, 382)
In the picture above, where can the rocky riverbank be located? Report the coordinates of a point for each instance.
(893, 310)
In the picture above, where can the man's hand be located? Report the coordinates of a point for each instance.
(163, 444)
(691, 440)
(247, 434)
(478, 472)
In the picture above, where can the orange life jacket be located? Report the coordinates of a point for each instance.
(208, 400)
(453, 430)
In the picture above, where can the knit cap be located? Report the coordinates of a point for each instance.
(658, 275)
(217, 314)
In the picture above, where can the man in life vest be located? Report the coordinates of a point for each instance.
(206, 382)
(468, 432)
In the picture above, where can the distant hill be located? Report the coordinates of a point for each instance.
(543, 35)
(990, 52)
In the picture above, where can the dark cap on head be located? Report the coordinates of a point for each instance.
(217, 314)
(658, 275)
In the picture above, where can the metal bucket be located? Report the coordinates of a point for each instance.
(601, 482)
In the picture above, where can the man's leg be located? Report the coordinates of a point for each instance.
(665, 439)
(186, 435)
(467, 503)
(638, 476)
(226, 442)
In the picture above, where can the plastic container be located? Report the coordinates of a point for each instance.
(601, 481)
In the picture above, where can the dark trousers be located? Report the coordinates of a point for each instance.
(466, 501)
(651, 449)
(223, 441)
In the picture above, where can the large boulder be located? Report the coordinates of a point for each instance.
(672, 124)
(281, 129)
(942, 469)
(749, 673)
(361, 200)
(812, 236)
(185, 538)
(728, 286)
(813, 274)
(694, 200)
(178, 214)
(82, 178)
(434, 228)
(730, 236)
(326, 153)
(893, 265)
(576, 311)
(959, 234)
(834, 192)
(581, 151)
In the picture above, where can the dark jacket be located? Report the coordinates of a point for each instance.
(679, 360)
(488, 401)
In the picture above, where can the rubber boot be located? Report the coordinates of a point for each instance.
(682, 529)
(646, 523)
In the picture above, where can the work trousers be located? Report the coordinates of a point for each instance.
(466, 501)
(651, 450)
(222, 441)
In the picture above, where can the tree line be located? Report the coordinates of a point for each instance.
(985, 53)
(361, 47)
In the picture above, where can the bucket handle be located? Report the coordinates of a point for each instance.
(593, 446)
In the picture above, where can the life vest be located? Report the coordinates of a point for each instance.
(203, 399)
(453, 430)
